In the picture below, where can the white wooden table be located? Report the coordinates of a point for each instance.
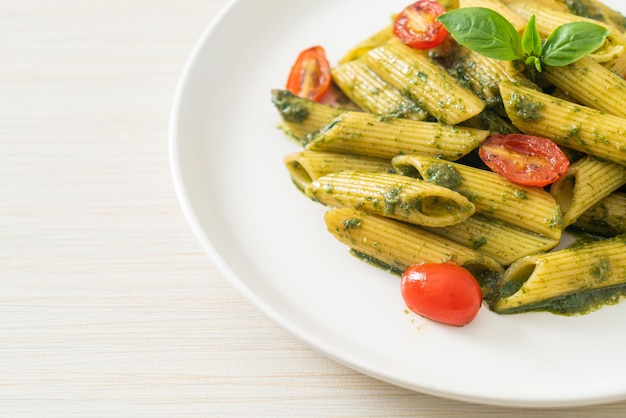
(108, 307)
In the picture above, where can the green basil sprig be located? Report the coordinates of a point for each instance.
(488, 33)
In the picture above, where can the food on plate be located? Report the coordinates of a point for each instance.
(473, 137)
(524, 159)
(310, 75)
(443, 292)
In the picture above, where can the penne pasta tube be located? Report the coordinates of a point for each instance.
(568, 124)
(552, 4)
(362, 133)
(484, 74)
(607, 217)
(496, 239)
(560, 94)
(307, 166)
(424, 81)
(591, 84)
(548, 15)
(518, 22)
(611, 16)
(400, 245)
(377, 39)
(393, 196)
(529, 208)
(585, 183)
(559, 281)
(302, 117)
(372, 94)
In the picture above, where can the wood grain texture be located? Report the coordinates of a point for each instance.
(108, 307)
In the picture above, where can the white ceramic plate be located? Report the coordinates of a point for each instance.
(271, 242)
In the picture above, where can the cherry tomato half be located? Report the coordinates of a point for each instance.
(418, 27)
(310, 75)
(445, 293)
(524, 159)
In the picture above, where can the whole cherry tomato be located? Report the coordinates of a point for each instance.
(310, 75)
(417, 25)
(445, 293)
(524, 159)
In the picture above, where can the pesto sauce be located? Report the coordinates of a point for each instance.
(409, 170)
(526, 108)
(479, 242)
(521, 194)
(406, 108)
(508, 288)
(291, 108)
(411, 97)
(491, 121)
(392, 199)
(445, 175)
(376, 263)
(486, 278)
(579, 303)
(557, 221)
(351, 223)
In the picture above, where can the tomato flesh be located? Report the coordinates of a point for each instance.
(310, 75)
(417, 25)
(445, 293)
(524, 159)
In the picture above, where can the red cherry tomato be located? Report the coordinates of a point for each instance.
(445, 293)
(310, 75)
(524, 159)
(418, 27)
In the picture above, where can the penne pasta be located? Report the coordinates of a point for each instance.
(400, 245)
(372, 94)
(610, 16)
(424, 81)
(484, 74)
(528, 208)
(607, 217)
(307, 166)
(558, 281)
(568, 124)
(583, 79)
(552, 4)
(518, 22)
(377, 39)
(393, 196)
(548, 15)
(302, 117)
(586, 182)
(496, 239)
(361, 133)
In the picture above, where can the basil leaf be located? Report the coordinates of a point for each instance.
(483, 31)
(572, 41)
(531, 39)
(533, 61)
